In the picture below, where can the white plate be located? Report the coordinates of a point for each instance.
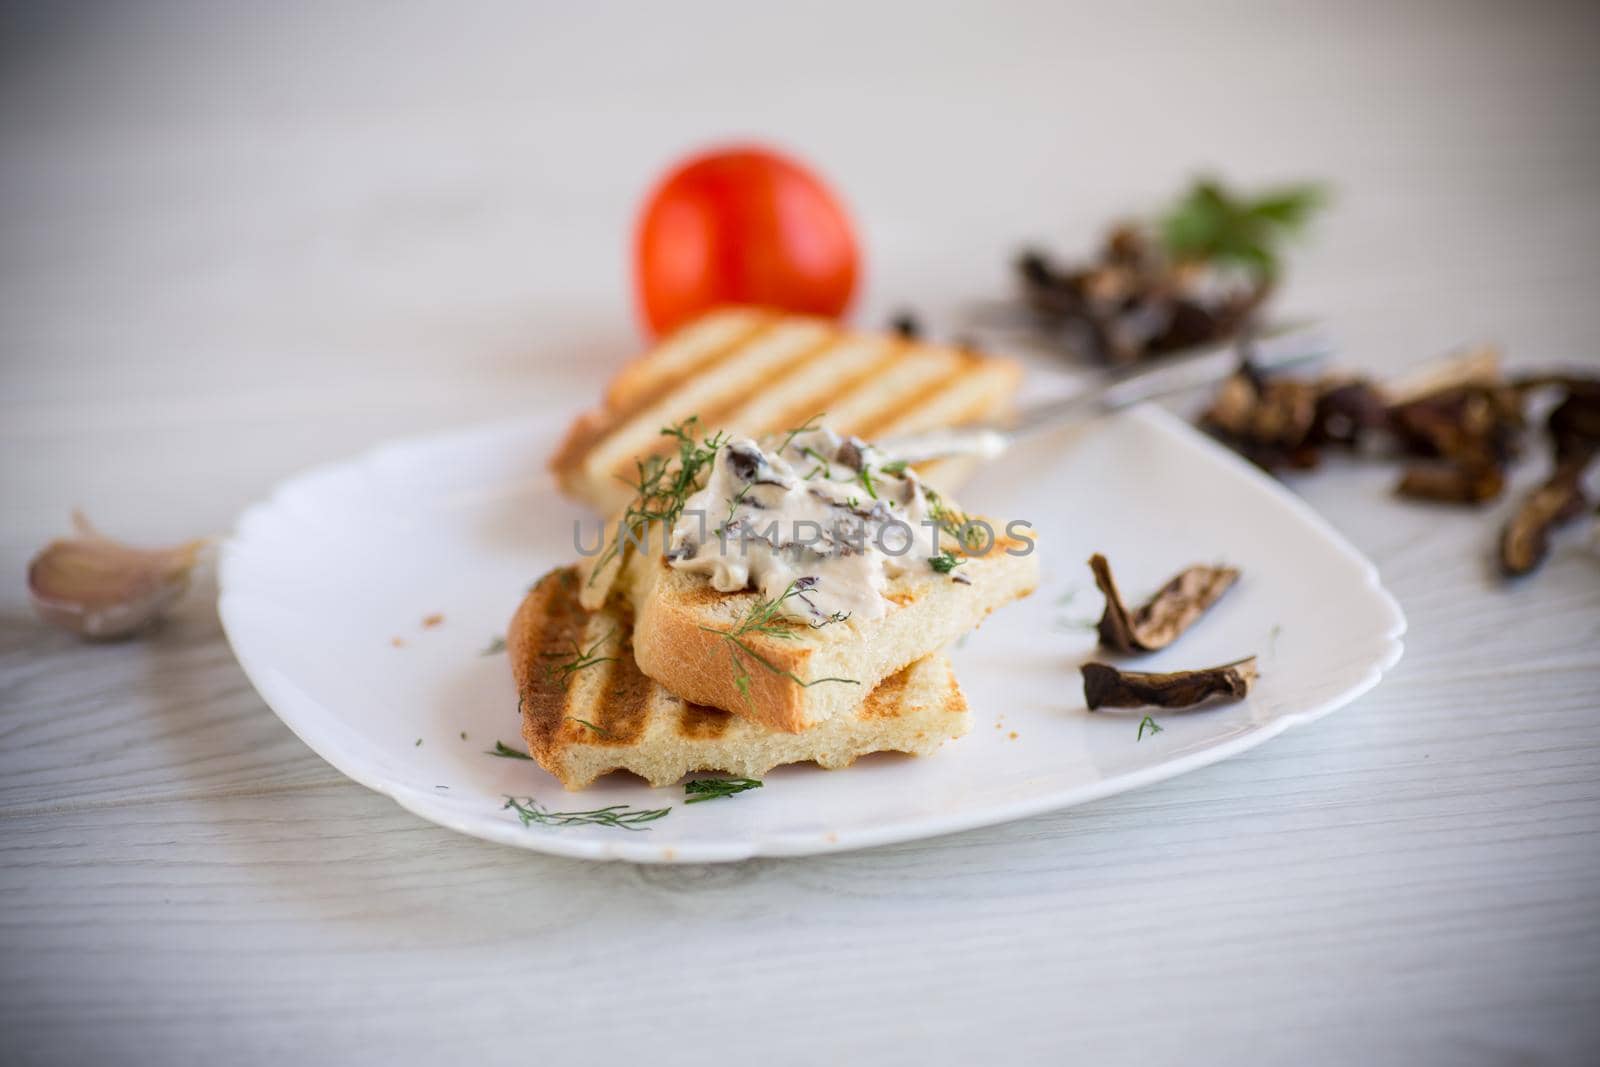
(324, 589)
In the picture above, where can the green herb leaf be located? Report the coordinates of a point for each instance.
(896, 467)
(764, 618)
(865, 477)
(945, 562)
(1147, 723)
(502, 749)
(620, 816)
(814, 422)
(494, 647)
(664, 485)
(586, 724)
(713, 788)
(822, 462)
(1213, 224)
(582, 659)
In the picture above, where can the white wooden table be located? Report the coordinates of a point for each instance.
(241, 240)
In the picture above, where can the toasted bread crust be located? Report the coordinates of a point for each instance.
(609, 716)
(681, 638)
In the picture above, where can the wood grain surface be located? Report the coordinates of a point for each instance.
(239, 240)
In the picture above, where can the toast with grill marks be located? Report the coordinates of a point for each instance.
(588, 710)
(754, 372)
(681, 639)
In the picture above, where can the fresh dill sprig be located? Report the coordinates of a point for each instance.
(581, 659)
(586, 724)
(713, 788)
(664, 485)
(864, 476)
(764, 619)
(966, 532)
(738, 498)
(506, 751)
(822, 462)
(621, 816)
(945, 562)
(495, 646)
(1148, 723)
(810, 424)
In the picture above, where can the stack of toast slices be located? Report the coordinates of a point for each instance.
(639, 666)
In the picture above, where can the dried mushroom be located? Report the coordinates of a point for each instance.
(1458, 414)
(1272, 422)
(1104, 686)
(1160, 620)
(1449, 483)
(1574, 424)
(1525, 541)
(1574, 427)
(1195, 276)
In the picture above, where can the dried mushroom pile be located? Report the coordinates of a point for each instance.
(1194, 277)
(1457, 429)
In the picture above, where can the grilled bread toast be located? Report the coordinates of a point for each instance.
(756, 372)
(689, 638)
(587, 709)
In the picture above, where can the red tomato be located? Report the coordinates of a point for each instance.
(742, 225)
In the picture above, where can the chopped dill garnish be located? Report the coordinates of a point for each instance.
(822, 462)
(966, 532)
(945, 562)
(763, 618)
(733, 505)
(864, 476)
(664, 485)
(502, 749)
(581, 658)
(621, 816)
(1147, 723)
(894, 467)
(713, 788)
(806, 427)
(495, 646)
(463, 735)
(586, 724)
(418, 744)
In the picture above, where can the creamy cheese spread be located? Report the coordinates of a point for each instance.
(828, 515)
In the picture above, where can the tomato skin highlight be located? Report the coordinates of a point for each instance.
(742, 225)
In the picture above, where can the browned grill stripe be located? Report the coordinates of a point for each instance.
(820, 403)
(625, 703)
(709, 359)
(869, 427)
(544, 698)
(884, 702)
(798, 363)
(619, 418)
(713, 417)
(700, 723)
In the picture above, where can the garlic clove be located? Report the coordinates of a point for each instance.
(100, 589)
